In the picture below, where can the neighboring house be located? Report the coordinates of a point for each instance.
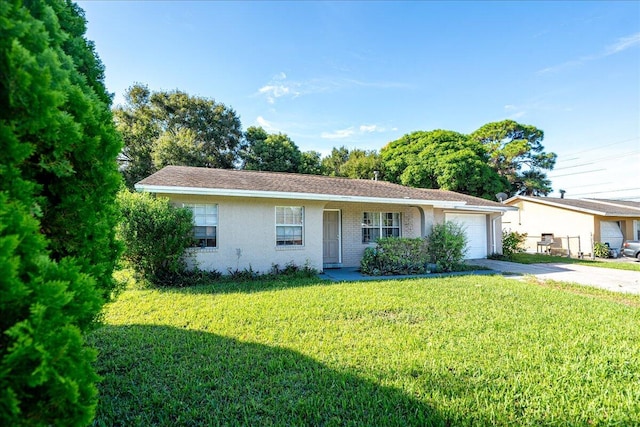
(257, 219)
(590, 220)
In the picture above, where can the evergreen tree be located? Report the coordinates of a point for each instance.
(58, 182)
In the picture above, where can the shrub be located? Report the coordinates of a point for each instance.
(601, 250)
(46, 372)
(512, 243)
(370, 263)
(58, 181)
(292, 270)
(447, 246)
(394, 255)
(155, 235)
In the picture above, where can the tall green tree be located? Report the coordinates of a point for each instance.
(275, 152)
(363, 164)
(174, 128)
(332, 163)
(441, 159)
(532, 183)
(515, 149)
(311, 163)
(58, 182)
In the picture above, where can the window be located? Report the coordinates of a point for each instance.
(380, 224)
(289, 225)
(205, 229)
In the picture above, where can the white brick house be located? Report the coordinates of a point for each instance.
(256, 219)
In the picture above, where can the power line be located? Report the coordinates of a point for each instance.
(610, 191)
(588, 185)
(574, 166)
(617, 156)
(577, 173)
(602, 146)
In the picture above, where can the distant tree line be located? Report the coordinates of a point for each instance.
(174, 128)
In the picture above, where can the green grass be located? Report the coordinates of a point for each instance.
(473, 350)
(525, 258)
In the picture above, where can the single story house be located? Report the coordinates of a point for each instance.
(257, 219)
(573, 224)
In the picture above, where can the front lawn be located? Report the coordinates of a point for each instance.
(473, 350)
(526, 258)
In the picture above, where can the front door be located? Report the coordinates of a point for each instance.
(331, 237)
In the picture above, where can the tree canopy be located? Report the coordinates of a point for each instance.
(363, 164)
(275, 152)
(173, 128)
(516, 153)
(58, 182)
(332, 164)
(441, 159)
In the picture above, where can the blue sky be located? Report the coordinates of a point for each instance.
(362, 74)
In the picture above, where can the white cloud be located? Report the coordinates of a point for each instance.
(515, 111)
(622, 44)
(272, 92)
(265, 124)
(338, 134)
(354, 131)
(281, 87)
(278, 88)
(370, 128)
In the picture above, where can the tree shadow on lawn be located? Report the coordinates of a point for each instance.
(229, 286)
(159, 375)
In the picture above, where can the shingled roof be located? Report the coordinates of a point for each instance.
(209, 181)
(600, 207)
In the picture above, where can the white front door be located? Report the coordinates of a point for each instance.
(475, 226)
(331, 247)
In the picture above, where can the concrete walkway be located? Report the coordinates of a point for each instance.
(352, 274)
(605, 278)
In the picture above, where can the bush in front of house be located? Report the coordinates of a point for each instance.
(512, 243)
(447, 245)
(395, 255)
(155, 235)
(601, 250)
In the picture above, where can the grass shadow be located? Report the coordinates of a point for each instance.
(231, 286)
(160, 375)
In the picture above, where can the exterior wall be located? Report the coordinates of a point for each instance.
(247, 234)
(412, 226)
(352, 246)
(246, 231)
(536, 219)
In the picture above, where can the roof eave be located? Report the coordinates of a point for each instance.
(200, 191)
(487, 208)
(569, 207)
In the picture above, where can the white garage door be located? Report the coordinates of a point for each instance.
(610, 233)
(475, 225)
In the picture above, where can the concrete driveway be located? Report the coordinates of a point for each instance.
(605, 278)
